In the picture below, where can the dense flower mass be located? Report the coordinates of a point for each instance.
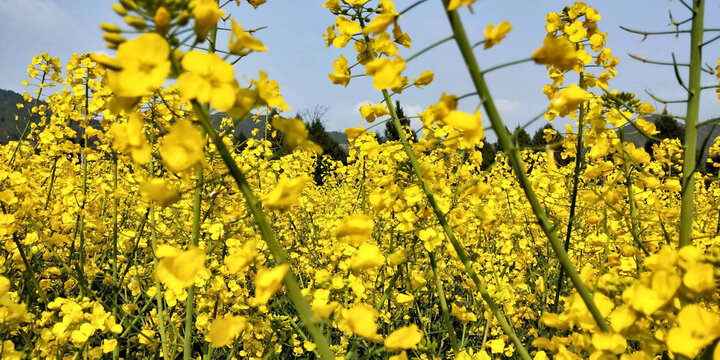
(135, 224)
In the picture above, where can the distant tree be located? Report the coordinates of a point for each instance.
(668, 128)
(521, 137)
(488, 155)
(391, 133)
(317, 134)
(240, 141)
(538, 138)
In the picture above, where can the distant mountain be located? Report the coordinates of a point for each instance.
(247, 126)
(9, 128)
(706, 131)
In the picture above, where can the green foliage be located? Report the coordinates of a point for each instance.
(391, 133)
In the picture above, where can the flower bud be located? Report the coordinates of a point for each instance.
(129, 4)
(111, 28)
(183, 18)
(119, 9)
(136, 22)
(113, 38)
(162, 20)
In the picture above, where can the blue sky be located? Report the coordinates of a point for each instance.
(298, 60)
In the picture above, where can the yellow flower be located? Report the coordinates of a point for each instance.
(109, 345)
(224, 330)
(143, 64)
(159, 191)
(462, 314)
(379, 23)
(241, 259)
(371, 112)
(648, 298)
(622, 318)
(208, 78)
(182, 147)
(569, 99)
(470, 126)
(355, 229)
(267, 283)
(699, 277)
(269, 92)
(385, 72)
(613, 343)
(368, 256)
(424, 79)
(295, 134)
(347, 29)
(241, 40)
(556, 51)
(575, 31)
(455, 4)
(285, 193)
(332, 5)
(494, 35)
(206, 14)
(341, 75)
(697, 328)
(360, 320)
(130, 137)
(405, 338)
(497, 346)
(179, 268)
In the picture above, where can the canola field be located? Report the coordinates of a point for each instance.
(156, 236)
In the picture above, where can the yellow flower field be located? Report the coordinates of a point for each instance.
(134, 227)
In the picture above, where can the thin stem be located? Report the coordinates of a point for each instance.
(428, 48)
(496, 67)
(462, 255)
(573, 196)
(443, 305)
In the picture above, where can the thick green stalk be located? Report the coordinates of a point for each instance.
(518, 166)
(253, 203)
(691, 119)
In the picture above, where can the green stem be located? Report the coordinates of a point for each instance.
(573, 196)
(691, 119)
(443, 306)
(502, 320)
(153, 244)
(253, 203)
(518, 166)
(29, 121)
(190, 301)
